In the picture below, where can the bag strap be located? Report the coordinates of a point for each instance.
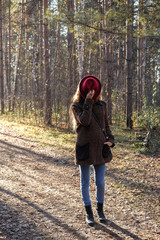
(95, 117)
(103, 130)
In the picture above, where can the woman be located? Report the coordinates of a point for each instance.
(88, 110)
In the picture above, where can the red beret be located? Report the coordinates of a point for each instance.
(90, 83)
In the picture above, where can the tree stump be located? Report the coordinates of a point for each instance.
(152, 140)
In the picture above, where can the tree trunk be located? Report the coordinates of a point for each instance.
(9, 60)
(129, 72)
(48, 100)
(1, 62)
(41, 65)
(80, 40)
(70, 58)
(103, 52)
(26, 85)
(109, 66)
(139, 74)
(119, 63)
(17, 67)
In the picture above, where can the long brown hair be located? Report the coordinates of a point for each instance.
(76, 98)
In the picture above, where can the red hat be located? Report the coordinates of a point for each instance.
(90, 83)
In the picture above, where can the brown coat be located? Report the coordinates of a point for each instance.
(89, 136)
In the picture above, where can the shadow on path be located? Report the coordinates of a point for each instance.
(15, 226)
(30, 233)
(18, 137)
(70, 162)
(12, 149)
(38, 156)
(132, 184)
(46, 214)
(118, 228)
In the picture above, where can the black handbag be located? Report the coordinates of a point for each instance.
(106, 151)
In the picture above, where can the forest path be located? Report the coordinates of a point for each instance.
(40, 196)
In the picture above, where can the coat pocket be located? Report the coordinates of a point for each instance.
(106, 152)
(82, 151)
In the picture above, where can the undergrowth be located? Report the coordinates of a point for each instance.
(62, 137)
(40, 133)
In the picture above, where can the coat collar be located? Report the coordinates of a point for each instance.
(97, 102)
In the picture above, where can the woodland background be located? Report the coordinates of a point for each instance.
(46, 47)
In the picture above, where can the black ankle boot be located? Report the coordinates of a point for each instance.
(101, 216)
(89, 217)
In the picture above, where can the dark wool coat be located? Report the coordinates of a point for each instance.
(89, 136)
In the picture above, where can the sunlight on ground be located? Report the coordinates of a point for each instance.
(44, 135)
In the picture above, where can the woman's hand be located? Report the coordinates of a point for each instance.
(90, 94)
(108, 143)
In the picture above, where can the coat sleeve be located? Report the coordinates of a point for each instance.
(83, 114)
(110, 137)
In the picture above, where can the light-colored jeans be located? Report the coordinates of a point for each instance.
(99, 174)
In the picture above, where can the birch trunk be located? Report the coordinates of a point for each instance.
(17, 67)
(80, 40)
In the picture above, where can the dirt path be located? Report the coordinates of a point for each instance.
(40, 197)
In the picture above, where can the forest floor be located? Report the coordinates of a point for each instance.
(40, 191)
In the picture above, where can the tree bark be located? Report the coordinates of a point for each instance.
(9, 59)
(119, 63)
(103, 51)
(109, 66)
(70, 39)
(26, 85)
(41, 65)
(17, 67)
(80, 41)
(139, 74)
(48, 100)
(129, 72)
(140, 63)
(1, 62)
